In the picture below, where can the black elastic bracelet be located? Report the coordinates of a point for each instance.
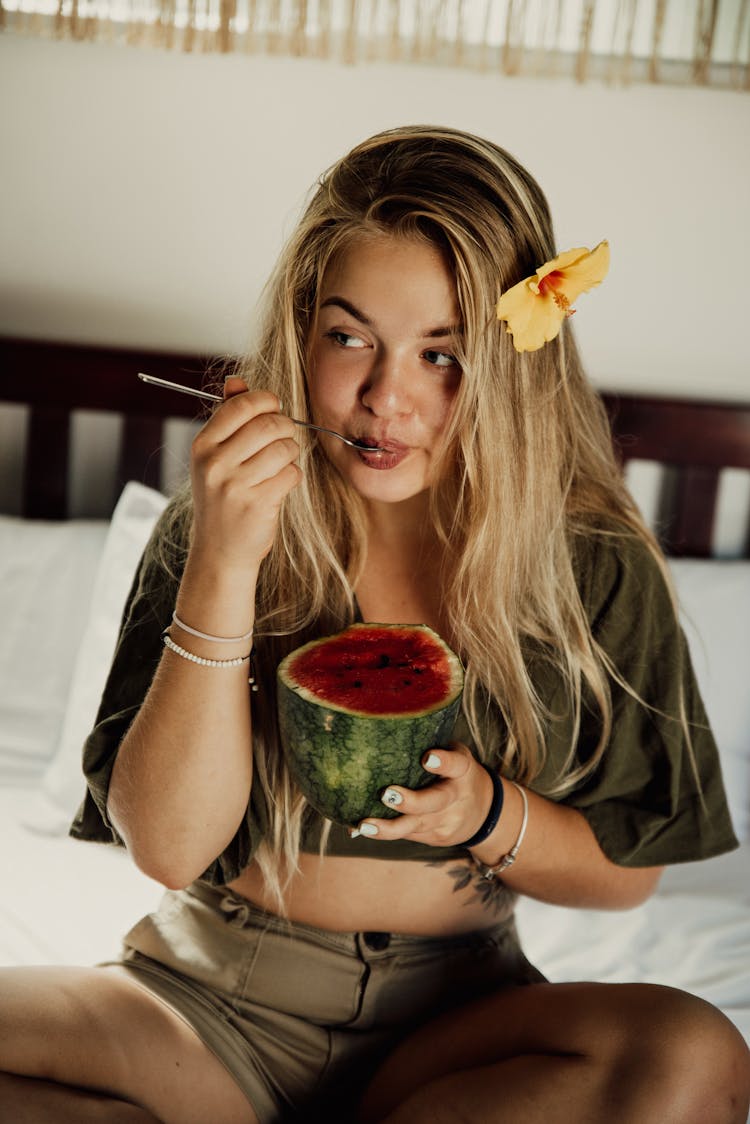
(496, 807)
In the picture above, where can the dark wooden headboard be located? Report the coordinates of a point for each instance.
(56, 379)
(694, 439)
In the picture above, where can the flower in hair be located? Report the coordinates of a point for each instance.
(535, 308)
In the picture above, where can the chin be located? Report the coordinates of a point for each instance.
(388, 490)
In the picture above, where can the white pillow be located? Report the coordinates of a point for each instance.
(715, 602)
(132, 522)
(47, 572)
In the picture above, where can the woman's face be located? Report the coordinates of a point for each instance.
(382, 363)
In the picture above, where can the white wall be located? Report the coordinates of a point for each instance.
(145, 194)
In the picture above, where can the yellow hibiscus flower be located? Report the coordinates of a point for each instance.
(535, 308)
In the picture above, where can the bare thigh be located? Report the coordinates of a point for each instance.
(98, 1029)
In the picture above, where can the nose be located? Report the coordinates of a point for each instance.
(387, 392)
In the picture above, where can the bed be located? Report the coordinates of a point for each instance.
(88, 455)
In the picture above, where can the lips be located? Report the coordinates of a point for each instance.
(385, 454)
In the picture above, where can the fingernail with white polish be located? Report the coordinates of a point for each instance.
(368, 829)
(392, 798)
(433, 761)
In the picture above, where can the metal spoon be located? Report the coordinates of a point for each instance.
(217, 398)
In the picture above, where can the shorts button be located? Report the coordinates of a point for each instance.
(377, 941)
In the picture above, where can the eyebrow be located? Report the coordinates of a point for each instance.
(431, 334)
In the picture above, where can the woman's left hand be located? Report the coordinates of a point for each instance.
(445, 813)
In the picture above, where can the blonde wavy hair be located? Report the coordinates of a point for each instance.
(512, 521)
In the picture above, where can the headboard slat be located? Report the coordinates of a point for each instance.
(694, 506)
(46, 463)
(140, 453)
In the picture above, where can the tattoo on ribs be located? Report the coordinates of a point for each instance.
(491, 893)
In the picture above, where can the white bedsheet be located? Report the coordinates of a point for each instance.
(62, 901)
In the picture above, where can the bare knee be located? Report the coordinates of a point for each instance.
(618, 1053)
(693, 1060)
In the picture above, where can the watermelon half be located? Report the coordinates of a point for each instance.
(358, 710)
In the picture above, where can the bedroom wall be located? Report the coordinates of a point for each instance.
(145, 195)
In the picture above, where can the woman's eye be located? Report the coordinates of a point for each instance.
(343, 339)
(440, 358)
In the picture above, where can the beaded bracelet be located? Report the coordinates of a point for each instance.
(493, 816)
(208, 636)
(182, 652)
(235, 662)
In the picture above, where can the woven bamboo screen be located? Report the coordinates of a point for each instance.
(696, 42)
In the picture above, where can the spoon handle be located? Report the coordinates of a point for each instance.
(217, 398)
(178, 386)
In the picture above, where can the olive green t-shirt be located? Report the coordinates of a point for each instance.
(642, 801)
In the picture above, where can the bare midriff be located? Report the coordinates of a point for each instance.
(355, 894)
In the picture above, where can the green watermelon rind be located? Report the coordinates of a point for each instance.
(342, 760)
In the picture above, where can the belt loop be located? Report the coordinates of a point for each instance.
(237, 911)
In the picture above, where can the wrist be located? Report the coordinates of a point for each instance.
(211, 569)
(215, 611)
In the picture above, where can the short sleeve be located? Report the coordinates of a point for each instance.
(656, 797)
(138, 650)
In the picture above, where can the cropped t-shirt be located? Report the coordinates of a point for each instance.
(642, 800)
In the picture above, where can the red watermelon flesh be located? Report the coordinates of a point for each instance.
(373, 671)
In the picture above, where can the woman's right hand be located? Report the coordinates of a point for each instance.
(242, 467)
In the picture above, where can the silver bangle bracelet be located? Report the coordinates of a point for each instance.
(490, 872)
(208, 636)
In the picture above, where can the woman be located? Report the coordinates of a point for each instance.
(303, 970)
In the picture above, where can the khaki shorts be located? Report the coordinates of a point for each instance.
(302, 1016)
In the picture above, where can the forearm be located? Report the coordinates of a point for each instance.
(560, 860)
(183, 774)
